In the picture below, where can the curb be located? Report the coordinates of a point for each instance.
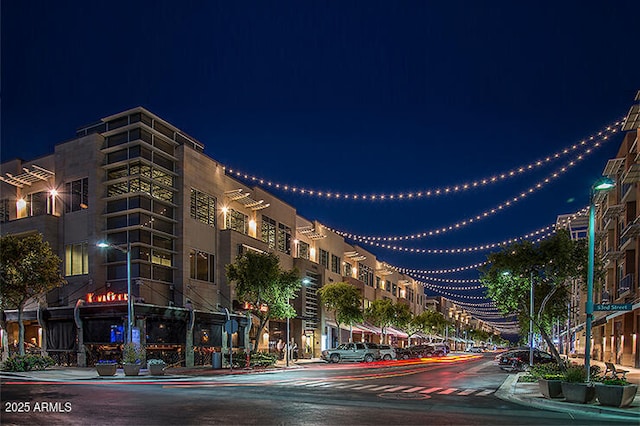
(507, 392)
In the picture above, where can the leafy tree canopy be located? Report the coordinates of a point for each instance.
(260, 281)
(552, 264)
(28, 270)
(344, 300)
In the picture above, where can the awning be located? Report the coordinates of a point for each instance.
(356, 328)
(397, 333)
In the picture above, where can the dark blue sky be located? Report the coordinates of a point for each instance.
(359, 97)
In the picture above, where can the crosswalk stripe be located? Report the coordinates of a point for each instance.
(430, 390)
(414, 389)
(328, 385)
(467, 392)
(447, 391)
(397, 388)
(363, 387)
(379, 388)
(348, 386)
(485, 392)
(317, 384)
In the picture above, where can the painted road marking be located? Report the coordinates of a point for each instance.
(363, 387)
(430, 390)
(379, 388)
(397, 388)
(467, 392)
(447, 391)
(414, 389)
(485, 392)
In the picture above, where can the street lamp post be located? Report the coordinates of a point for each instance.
(602, 185)
(127, 251)
(531, 321)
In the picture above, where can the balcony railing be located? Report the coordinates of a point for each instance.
(625, 284)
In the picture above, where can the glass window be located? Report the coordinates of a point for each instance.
(202, 265)
(163, 129)
(335, 264)
(303, 250)
(161, 258)
(167, 163)
(77, 192)
(324, 258)
(76, 259)
(118, 122)
(347, 269)
(203, 207)
(284, 238)
(268, 233)
(237, 221)
(365, 274)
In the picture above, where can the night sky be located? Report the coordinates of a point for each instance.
(357, 97)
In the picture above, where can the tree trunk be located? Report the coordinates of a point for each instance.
(552, 347)
(263, 323)
(20, 330)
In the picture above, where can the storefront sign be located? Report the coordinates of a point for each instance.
(107, 297)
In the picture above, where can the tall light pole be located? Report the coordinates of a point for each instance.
(127, 251)
(531, 321)
(603, 184)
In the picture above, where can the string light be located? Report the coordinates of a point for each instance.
(440, 271)
(503, 206)
(459, 288)
(411, 195)
(446, 293)
(466, 249)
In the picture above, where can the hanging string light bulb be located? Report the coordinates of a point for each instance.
(594, 141)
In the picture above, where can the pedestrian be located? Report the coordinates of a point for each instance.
(280, 348)
(295, 351)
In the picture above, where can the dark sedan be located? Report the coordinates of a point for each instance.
(522, 356)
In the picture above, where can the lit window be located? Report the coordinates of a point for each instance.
(76, 259)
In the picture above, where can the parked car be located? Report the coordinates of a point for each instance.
(387, 352)
(360, 351)
(521, 356)
(428, 350)
(475, 349)
(405, 353)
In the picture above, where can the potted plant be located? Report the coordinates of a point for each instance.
(156, 367)
(616, 392)
(575, 387)
(549, 379)
(131, 359)
(106, 367)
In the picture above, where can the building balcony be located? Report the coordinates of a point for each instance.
(624, 285)
(46, 224)
(612, 211)
(611, 254)
(632, 174)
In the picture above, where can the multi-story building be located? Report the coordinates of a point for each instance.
(147, 188)
(615, 332)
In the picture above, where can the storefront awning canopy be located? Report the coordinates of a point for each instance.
(397, 333)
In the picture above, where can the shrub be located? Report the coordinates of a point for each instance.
(131, 354)
(27, 362)
(550, 371)
(575, 374)
(155, 361)
(263, 359)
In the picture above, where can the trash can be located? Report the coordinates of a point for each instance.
(216, 360)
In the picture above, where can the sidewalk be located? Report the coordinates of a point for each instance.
(528, 394)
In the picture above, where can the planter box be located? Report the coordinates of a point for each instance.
(616, 395)
(106, 369)
(550, 388)
(581, 393)
(157, 369)
(131, 369)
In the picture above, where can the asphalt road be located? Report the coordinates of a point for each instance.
(458, 393)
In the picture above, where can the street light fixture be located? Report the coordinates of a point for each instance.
(127, 251)
(603, 184)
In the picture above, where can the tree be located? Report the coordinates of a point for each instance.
(552, 264)
(263, 284)
(384, 313)
(425, 322)
(29, 269)
(345, 302)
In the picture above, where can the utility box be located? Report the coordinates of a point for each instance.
(216, 360)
